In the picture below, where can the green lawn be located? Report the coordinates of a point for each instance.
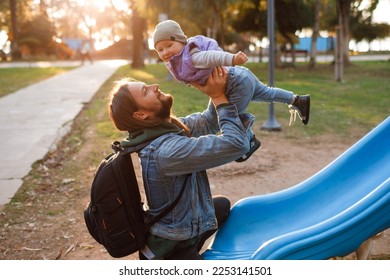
(348, 109)
(12, 79)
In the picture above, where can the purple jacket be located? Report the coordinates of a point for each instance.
(181, 65)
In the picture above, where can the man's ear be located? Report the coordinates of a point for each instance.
(140, 115)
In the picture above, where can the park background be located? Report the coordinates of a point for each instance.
(43, 220)
(53, 29)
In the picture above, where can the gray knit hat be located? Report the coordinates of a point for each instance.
(168, 30)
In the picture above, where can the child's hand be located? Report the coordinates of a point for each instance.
(239, 58)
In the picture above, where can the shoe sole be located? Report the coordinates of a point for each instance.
(306, 120)
(258, 144)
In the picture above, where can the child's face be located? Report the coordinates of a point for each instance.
(167, 48)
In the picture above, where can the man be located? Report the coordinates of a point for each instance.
(85, 52)
(175, 148)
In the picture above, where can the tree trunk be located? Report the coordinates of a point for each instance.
(139, 25)
(222, 31)
(316, 30)
(214, 29)
(339, 61)
(293, 57)
(345, 9)
(15, 53)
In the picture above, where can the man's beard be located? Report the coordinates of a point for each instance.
(165, 111)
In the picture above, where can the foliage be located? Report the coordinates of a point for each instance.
(362, 27)
(196, 17)
(31, 34)
(367, 31)
(24, 12)
(290, 16)
(231, 22)
(87, 20)
(250, 16)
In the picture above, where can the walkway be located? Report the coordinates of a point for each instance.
(33, 119)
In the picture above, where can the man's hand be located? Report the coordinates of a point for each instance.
(239, 58)
(215, 87)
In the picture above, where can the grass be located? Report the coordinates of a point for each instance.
(12, 79)
(348, 109)
(360, 102)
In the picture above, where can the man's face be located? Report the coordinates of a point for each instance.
(151, 100)
(167, 48)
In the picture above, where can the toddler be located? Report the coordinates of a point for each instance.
(193, 59)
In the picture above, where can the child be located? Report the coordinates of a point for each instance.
(192, 60)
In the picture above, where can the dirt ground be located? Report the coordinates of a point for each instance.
(47, 221)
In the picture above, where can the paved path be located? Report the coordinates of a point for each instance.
(33, 119)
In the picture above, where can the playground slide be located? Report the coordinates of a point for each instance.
(330, 214)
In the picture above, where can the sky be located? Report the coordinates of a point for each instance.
(381, 15)
(382, 12)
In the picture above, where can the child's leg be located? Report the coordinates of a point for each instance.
(239, 90)
(262, 92)
(243, 87)
(300, 104)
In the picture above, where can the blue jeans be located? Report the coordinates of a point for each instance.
(243, 87)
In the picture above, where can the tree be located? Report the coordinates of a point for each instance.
(353, 16)
(316, 30)
(344, 9)
(195, 17)
(362, 27)
(138, 29)
(370, 31)
(88, 20)
(290, 17)
(14, 31)
(16, 12)
(340, 43)
(38, 34)
(251, 16)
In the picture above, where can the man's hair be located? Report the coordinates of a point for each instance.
(122, 106)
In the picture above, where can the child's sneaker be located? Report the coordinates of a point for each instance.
(301, 106)
(254, 145)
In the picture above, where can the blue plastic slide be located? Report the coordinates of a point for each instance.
(330, 214)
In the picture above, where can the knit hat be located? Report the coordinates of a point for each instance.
(168, 30)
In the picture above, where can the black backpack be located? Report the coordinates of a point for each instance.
(115, 216)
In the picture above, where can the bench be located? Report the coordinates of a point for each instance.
(288, 54)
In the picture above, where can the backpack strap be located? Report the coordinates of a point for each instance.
(116, 146)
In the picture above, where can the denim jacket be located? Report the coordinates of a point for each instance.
(167, 160)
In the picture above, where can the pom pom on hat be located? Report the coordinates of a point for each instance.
(168, 30)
